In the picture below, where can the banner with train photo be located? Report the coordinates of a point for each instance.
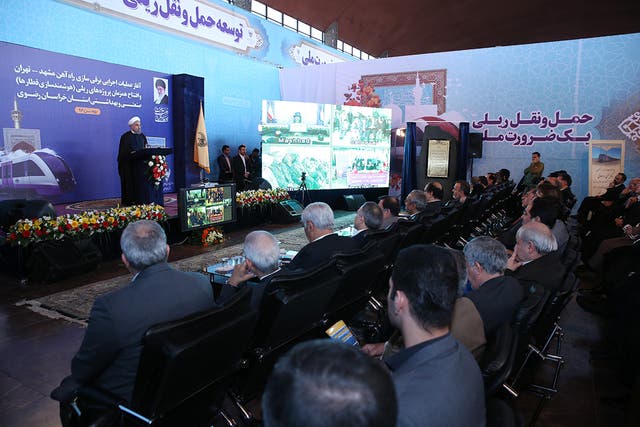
(62, 118)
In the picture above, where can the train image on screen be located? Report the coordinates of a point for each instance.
(39, 172)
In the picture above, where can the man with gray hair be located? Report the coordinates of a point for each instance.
(532, 262)
(262, 262)
(368, 217)
(496, 297)
(415, 202)
(317, 220)
(109, 354)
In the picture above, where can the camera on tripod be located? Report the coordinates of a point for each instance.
(303, 177)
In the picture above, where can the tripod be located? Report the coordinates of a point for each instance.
(303, 192)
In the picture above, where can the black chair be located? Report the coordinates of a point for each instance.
(411, 232)
(184, 368)
(501, 413)
(498, 358)
(358, 271)
(292, 310)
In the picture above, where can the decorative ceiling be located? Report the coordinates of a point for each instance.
(409, 27)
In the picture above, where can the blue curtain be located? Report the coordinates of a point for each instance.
(463, 149)
(409, 162)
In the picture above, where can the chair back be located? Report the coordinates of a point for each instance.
(498, 358)
(294, 304)
(181, 358)
(411, 232)
(358, 272)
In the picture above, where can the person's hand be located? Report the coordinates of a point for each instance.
(619, 222)
(373, 350)
(513, 263)
(241, 273)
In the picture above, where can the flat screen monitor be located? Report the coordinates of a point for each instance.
(335, 146)
(206, 206)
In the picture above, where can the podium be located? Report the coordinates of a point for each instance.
(145, 189)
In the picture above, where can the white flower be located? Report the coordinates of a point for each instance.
(150, 163)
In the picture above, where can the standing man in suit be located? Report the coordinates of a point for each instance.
(438, 382)
(317, 219)
(241, 168)
(224, 165)
(533, 172)
(110, 351)
(130, 142)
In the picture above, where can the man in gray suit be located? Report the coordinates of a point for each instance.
(438, 383)
(110, 351)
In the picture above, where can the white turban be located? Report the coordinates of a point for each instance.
(133, 119)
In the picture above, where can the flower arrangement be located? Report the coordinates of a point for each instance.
(158, 169)
(359, 94)
(269, 197)
(81, 225)
(211, 236)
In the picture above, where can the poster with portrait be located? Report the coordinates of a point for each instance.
(606, 160)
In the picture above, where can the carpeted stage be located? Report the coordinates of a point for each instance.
(75, 304)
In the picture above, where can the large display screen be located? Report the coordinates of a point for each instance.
(207, 206)
(335, 146)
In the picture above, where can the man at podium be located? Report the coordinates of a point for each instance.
(130, 142)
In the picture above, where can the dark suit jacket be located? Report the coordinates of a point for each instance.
(497, 301)
(129, 142)
(238, 171)
(546, 272)
(321, 250)
(226, 174)
(109, 354)
(438, 385)
(432, 209)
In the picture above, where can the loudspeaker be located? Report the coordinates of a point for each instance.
(475, 145)
(261, 184)
(62, 258)
(13, 210)
(287, 211)
(353, 201)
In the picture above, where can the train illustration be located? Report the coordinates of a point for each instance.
(40, 172)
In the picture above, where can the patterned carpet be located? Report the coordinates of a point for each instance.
(75, 304)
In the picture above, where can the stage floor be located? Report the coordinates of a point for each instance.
(170, 205)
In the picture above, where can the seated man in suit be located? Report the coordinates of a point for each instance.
(390, 210)
(533, 262)
(368, 217)
(415, 203)
(547, 210)
(496, 297)
(564, 184)
(434, 194)
(595, 203)
(326, 383)
(466, 323)
(317, 219)
(109, 354)
(262, 261)
(434, 373)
